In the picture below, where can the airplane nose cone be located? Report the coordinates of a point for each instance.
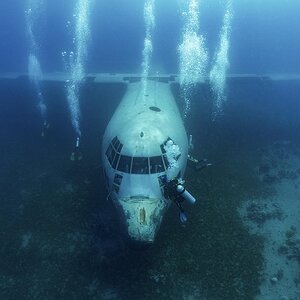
(142, 217)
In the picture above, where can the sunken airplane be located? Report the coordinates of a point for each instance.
(144, 154)
(144, 151)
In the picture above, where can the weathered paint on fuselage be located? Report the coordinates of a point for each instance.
(142, 123)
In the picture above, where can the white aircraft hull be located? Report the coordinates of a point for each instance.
(134, 158)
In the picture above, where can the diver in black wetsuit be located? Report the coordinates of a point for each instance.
(198, 165)
(175, 191)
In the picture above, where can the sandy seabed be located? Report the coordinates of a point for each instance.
(277, 219)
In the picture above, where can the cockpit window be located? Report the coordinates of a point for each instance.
(110, 153)
(117, 182)
(114, 141)
(116, 160)
(156, 165)
(113, 152)
(136, 165)
(124, 164)
(162, 146)
(163, 150)
(140, 165)
(118, 179)
(117, 144)
(167, 164)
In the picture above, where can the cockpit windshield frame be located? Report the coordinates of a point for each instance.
(136, 165)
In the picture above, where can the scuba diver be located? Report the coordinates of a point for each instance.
(174, 189)
(176, 192)
(197, 165)
(76, 154)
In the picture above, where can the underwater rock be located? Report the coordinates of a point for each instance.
(291, 232)
(297, 279)
(260, 213)
(156, 277)
(279, 274)
(291, 247)
(274, 280)
(296, 251)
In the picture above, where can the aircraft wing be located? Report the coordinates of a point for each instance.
(130, 77)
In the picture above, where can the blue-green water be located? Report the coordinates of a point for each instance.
(59, 236)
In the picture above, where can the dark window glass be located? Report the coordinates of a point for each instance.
(119, 147)
(116, 159)
(118, 179)
(162, 146)
(124, 163)
(117, 144)
(116, 188)
(166, 161)
(156, 164)
(114, 141)
(140, 165)
(110, 153)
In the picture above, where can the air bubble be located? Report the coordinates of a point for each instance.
(149, 19)
(217, 74)
(77, 60)
(193, 56)
(32, 14)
